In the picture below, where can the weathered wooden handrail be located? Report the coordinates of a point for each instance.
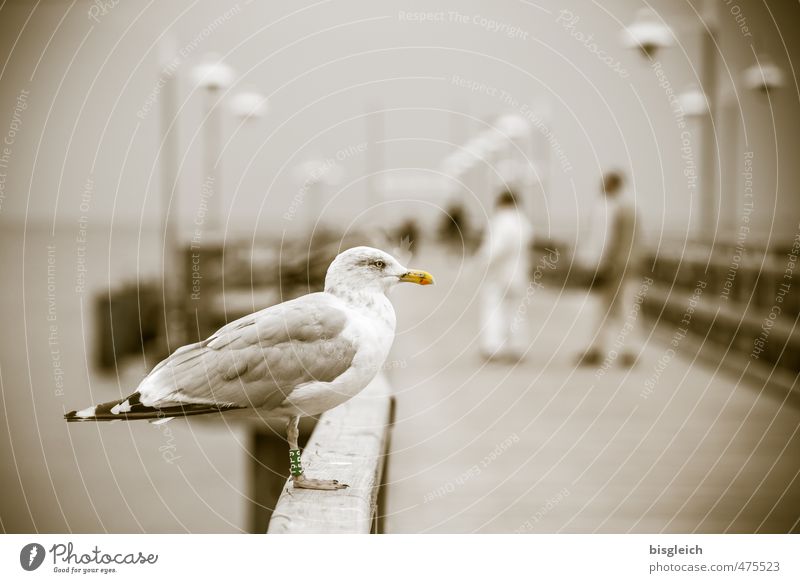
(349, 444)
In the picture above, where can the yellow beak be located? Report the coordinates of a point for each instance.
(418, 277)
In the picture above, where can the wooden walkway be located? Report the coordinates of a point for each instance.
(541, 447)
(544, 446)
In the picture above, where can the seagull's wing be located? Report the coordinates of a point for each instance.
(258, 360)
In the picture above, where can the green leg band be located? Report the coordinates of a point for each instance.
(294, 462)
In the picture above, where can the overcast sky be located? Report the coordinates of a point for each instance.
(80, 95)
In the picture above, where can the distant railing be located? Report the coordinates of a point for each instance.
(739, 305)
(349, 444)
(745, 303)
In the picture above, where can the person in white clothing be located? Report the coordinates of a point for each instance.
(505, 251)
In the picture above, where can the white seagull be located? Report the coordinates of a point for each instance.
(297, 358)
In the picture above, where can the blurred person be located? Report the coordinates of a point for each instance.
(505, 250)
(408, 233)
(612, 256)
(453, 231)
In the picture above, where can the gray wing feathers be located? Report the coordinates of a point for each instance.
(258, 360)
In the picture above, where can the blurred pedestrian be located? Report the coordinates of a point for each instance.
(505, 251)
(612, 257)
(408, 234)
(454, 229)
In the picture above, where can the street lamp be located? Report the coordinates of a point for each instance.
(213, 75)
(175, 334)
(764, 76)
(647, 33)
(248, 105)
(693, 102)
(701, 102)
(513, 126)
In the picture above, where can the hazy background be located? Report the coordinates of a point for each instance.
(325, 65)
(84, 153)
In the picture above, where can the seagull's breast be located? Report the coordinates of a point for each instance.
(370, 328)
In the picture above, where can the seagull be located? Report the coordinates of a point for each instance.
(297, 358)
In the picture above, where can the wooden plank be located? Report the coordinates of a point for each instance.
(349, 445)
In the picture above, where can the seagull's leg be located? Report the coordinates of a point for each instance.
(298, 477)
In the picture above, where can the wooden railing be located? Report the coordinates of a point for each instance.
(349, 444)
(745, 294)
(742, 309)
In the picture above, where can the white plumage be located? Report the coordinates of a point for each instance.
(297, 358)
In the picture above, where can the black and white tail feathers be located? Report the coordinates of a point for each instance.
(131, 408)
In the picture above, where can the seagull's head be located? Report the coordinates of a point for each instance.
(371, 270)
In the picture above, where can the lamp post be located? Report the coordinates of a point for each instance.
(170, 259)
(313, 176)
(375, 155)
(648, 35)
(212, 75)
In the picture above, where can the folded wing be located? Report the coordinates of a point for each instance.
(258, 360)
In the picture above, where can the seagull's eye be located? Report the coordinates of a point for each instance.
(379, 264)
